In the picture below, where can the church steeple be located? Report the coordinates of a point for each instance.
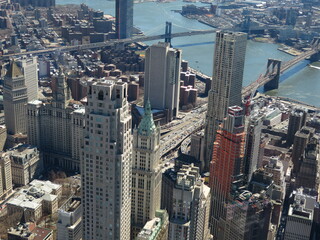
(147, 126)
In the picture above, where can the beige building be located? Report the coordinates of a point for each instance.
(3, 136)
(69, 225)
(56, 128)
(156, 228)
(29, 68)
(191, 206)
(229, 57)
(14, 100)
(25, 164)
(146, 172)
(35, 200)
(5, 176)
(106, 162)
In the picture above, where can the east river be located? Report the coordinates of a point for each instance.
(150, 17)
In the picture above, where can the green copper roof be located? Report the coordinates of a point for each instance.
(147, 126)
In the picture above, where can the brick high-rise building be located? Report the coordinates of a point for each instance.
(106, 162)
(229, 57)
(226, 168)
(146, 171)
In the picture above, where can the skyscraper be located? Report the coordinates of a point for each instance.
(124, 18)
(226, 168)
(297, 120)
(229, 57)
(162, 78)
(191, 206)
(14, 100)
(29, 67)
(253, 145)
(106, 162)
(146, 171)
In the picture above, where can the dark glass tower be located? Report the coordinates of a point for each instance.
(124, 18)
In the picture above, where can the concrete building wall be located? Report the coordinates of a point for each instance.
(106, 162)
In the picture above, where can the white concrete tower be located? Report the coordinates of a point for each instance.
(106, 162)
(146, 171)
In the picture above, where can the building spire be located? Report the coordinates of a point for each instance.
(147, 126)
(14, 70)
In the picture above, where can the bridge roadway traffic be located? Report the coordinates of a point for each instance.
(182, 128)
(108, 43)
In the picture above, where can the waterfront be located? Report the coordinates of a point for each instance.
(150, 17)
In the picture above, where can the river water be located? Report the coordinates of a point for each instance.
(150, 17)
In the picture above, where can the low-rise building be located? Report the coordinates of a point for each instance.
(39, 198)
(25, 164)
(69, 225)
(156, 228)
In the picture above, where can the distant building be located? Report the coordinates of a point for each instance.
(124, 18)
(5, 176)
(191, 206)
(229, 57)
(162, 74)
(300, 216)
(156, 228)
(297, 120)
(25, 164)
(36, 3)
(15, 98)
(146, 172)
(69, 225)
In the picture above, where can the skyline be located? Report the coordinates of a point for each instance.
(129, 141)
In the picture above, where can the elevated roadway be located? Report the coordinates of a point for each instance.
(108, 43)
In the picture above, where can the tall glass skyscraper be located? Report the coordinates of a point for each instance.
(124, 18)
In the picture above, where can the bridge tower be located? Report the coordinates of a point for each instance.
(167, 33)
(315, 44)
(273, 71)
